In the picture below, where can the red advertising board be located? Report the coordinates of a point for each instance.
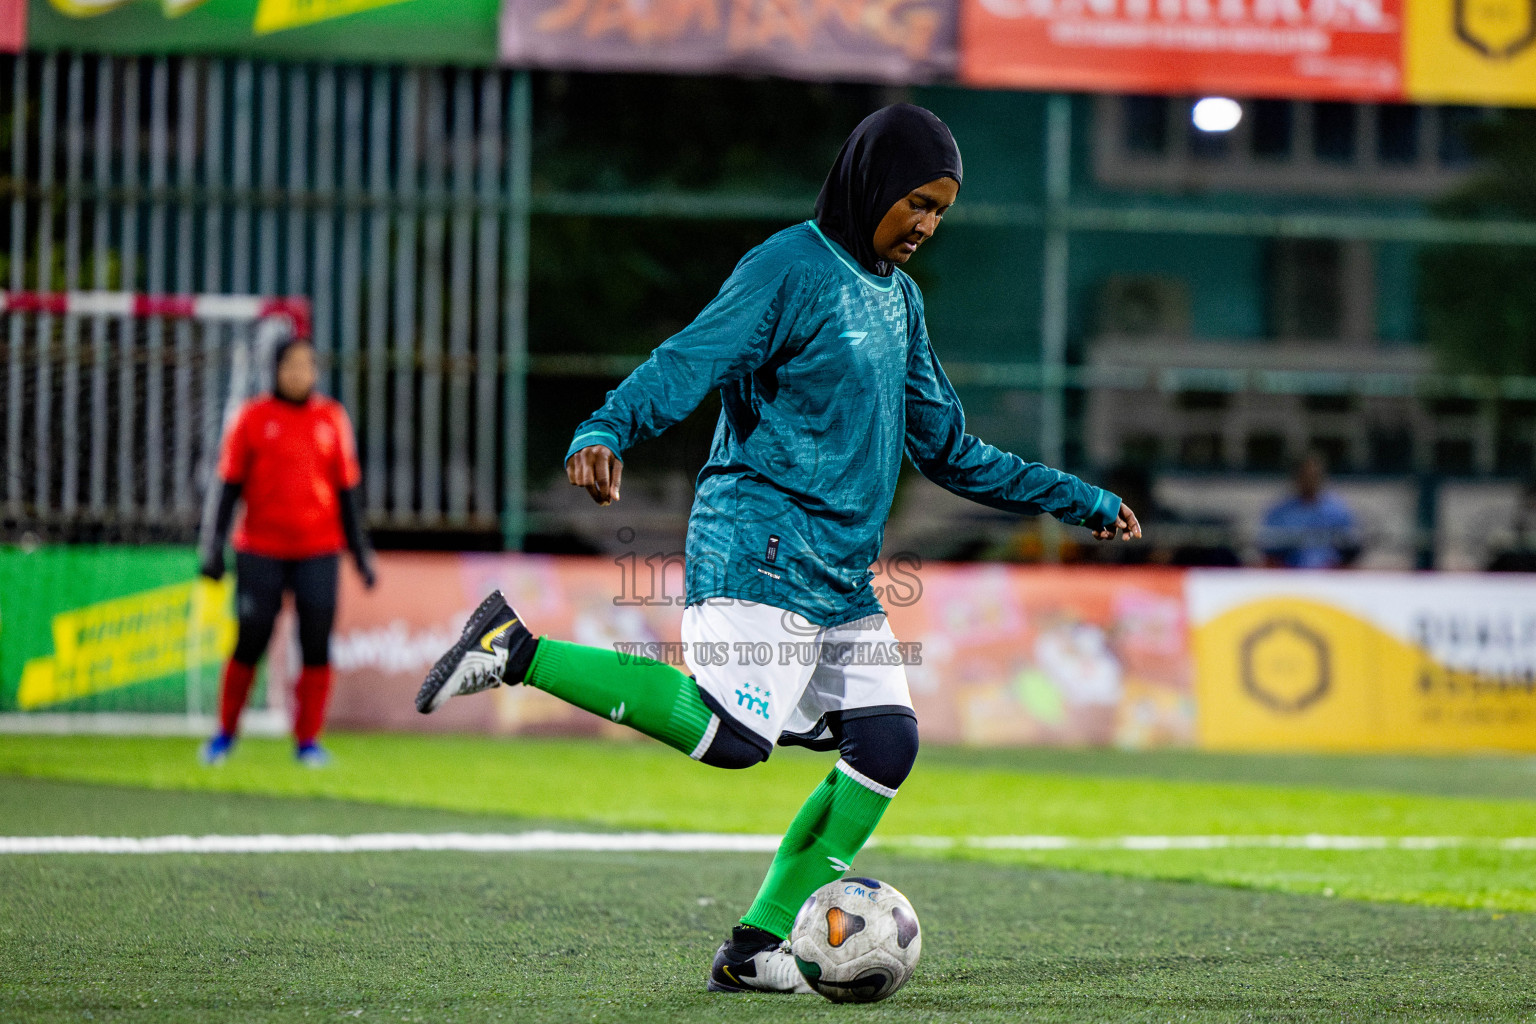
(1002, 655)
(13, 25)
(1325, 49)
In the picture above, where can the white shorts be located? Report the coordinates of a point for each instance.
(774, 671)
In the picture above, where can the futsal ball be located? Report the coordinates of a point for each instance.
(856, 940)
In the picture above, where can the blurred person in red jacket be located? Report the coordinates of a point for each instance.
(291, 456)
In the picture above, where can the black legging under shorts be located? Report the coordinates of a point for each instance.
(259, 586)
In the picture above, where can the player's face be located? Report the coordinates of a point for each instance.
(296, 374)
(913, 219)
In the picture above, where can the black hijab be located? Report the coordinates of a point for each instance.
(891, 152)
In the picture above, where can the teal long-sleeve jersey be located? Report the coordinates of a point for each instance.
(826, 377)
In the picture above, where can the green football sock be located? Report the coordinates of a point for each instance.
(645, 695)
(832, 827)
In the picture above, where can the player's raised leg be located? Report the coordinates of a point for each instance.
(497, 648)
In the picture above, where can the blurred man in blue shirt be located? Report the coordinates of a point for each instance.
(1313, 528)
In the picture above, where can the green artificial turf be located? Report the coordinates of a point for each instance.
(1475, 775)
(627, 937)
(952, 793)
(646, 785)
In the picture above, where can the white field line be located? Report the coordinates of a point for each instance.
(707, 842)
(255, 722)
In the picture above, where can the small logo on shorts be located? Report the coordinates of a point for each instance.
(755, 702)
(617, 714)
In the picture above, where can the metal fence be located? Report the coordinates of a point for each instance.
(144, 398)
(399, 201)
(395, 198)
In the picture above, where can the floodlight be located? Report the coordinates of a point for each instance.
(1217, 114)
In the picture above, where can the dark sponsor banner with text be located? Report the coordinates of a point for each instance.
(878, 40)
(1430, 51)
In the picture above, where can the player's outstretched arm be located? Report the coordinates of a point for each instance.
(598, 469)
(942, 450)
(734, 335)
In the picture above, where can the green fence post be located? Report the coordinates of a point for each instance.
(1053, 299)
(515, 379)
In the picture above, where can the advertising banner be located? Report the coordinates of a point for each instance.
(413, 31)
(1335, 49)
(1014, 655)
(878, 40)
(386, 639)
(995, 654)
(1472, 51)
(1364, 661)
(110, 629)
(13, 25)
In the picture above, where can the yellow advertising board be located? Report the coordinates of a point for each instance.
(1363, 661)
(1471, 51)
(141, 638)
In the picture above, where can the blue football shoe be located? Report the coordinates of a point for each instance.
(311, 755)
(217, 750)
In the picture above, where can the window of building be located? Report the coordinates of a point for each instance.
(1210, 145)
(1334, 451)
(1286, 146)
(1455, 125)
(1389, 449)
(1397, 134)
(1441, 408)
(1329, 403)
(1453, 456)
(1146, 125)
(1306, 293)
(1271, 120)
(1515, 448)
(1200, 451)
(1515, 456)
(1333, 132)
(1203, 401)
(1142, 449)
(1264, 452)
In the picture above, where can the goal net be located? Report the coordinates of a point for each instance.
(114, 407)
